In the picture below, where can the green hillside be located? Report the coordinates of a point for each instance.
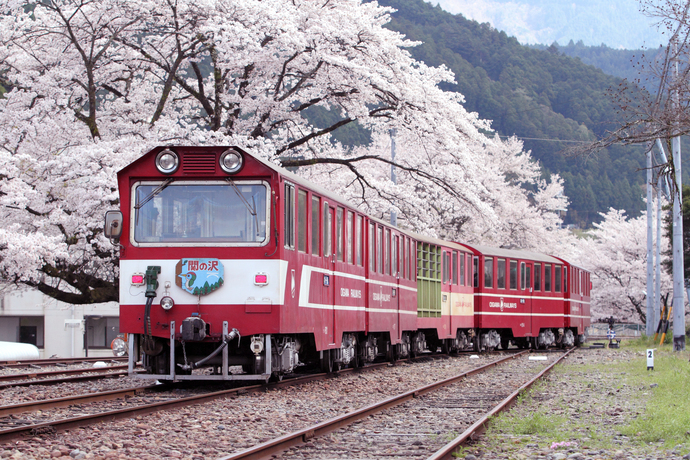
(543, 96)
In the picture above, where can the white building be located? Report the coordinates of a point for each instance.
(58, 328)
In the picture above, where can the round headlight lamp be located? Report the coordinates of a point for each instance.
(231, 161)
(167, 303)
(167, 161)
(119, 346)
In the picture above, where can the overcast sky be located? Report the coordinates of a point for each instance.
(616, 23)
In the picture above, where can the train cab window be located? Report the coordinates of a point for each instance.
(315, 228)
(339, 233)
(557, 281)
(394, 255)
(513, 274)
(327, 230)
(501, 273)
(386, 253)
(350, 233)
(289, 216)
(358, 240)
(475, 272)
(462, 269)
(185, 213)
(488, 272)
(454, 258)
(547, 277)
(537, 277)
(302, 221)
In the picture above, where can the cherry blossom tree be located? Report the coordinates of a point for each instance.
(616, 253)
(93, 84)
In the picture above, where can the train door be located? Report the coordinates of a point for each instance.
(526, 270)
(328, 239)
(395, 272)
(446, 296)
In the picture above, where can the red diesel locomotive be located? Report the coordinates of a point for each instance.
(232, 268)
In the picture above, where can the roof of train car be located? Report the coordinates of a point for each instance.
(436, 241)
(512, 253)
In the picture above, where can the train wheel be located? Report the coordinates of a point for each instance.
(326, 361)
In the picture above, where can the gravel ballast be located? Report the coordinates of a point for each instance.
(212, 430)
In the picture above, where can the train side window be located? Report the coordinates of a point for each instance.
(406, 258)
(537, 277)
(547, 277)
(350, 234)
(339, 233)
(358, 239)
(513, 274)
(372, 248)
(327, 230)
(302, 221)
(501, 274)
(289, 216)
(315, 227)
(475, 271)
(565, 279)
(455, 267)
(523, 276)
(394, 255)
(379, 249)
(386, 253)
(462, 269)
(557, 273)
(446, 267)
(488, 272)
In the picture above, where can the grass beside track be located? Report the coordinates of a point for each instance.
(635, 408)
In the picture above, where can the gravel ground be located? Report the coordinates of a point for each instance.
(215, 429)
(599, 402)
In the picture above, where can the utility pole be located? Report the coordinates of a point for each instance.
(650, 245)
(678, 265)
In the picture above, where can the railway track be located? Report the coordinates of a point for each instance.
(61, 376)
(37, 363)
(17, 422)
(428, 422)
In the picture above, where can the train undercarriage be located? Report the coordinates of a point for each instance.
(265, 356)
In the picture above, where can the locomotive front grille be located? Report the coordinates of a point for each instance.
(198, 163)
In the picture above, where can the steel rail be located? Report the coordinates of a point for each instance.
(37, 375)
(282, 443)
(478, 427)
(45, 404)
(55, 361)
(76, 378)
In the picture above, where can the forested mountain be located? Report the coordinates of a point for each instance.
(616, 62)
(542, 96)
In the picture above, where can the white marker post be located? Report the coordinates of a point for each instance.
(650, 359)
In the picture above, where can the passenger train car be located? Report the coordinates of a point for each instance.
(232, 268)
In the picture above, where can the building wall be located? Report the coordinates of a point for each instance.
(22, 310)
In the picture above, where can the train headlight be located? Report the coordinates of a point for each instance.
(167, 303)
(231, 161)
(167, 161)
(119, 346)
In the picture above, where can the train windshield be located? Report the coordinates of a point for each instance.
(232, 213)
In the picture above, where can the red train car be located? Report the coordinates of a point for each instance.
(232, 268)
(519, 298)
(577, 300)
